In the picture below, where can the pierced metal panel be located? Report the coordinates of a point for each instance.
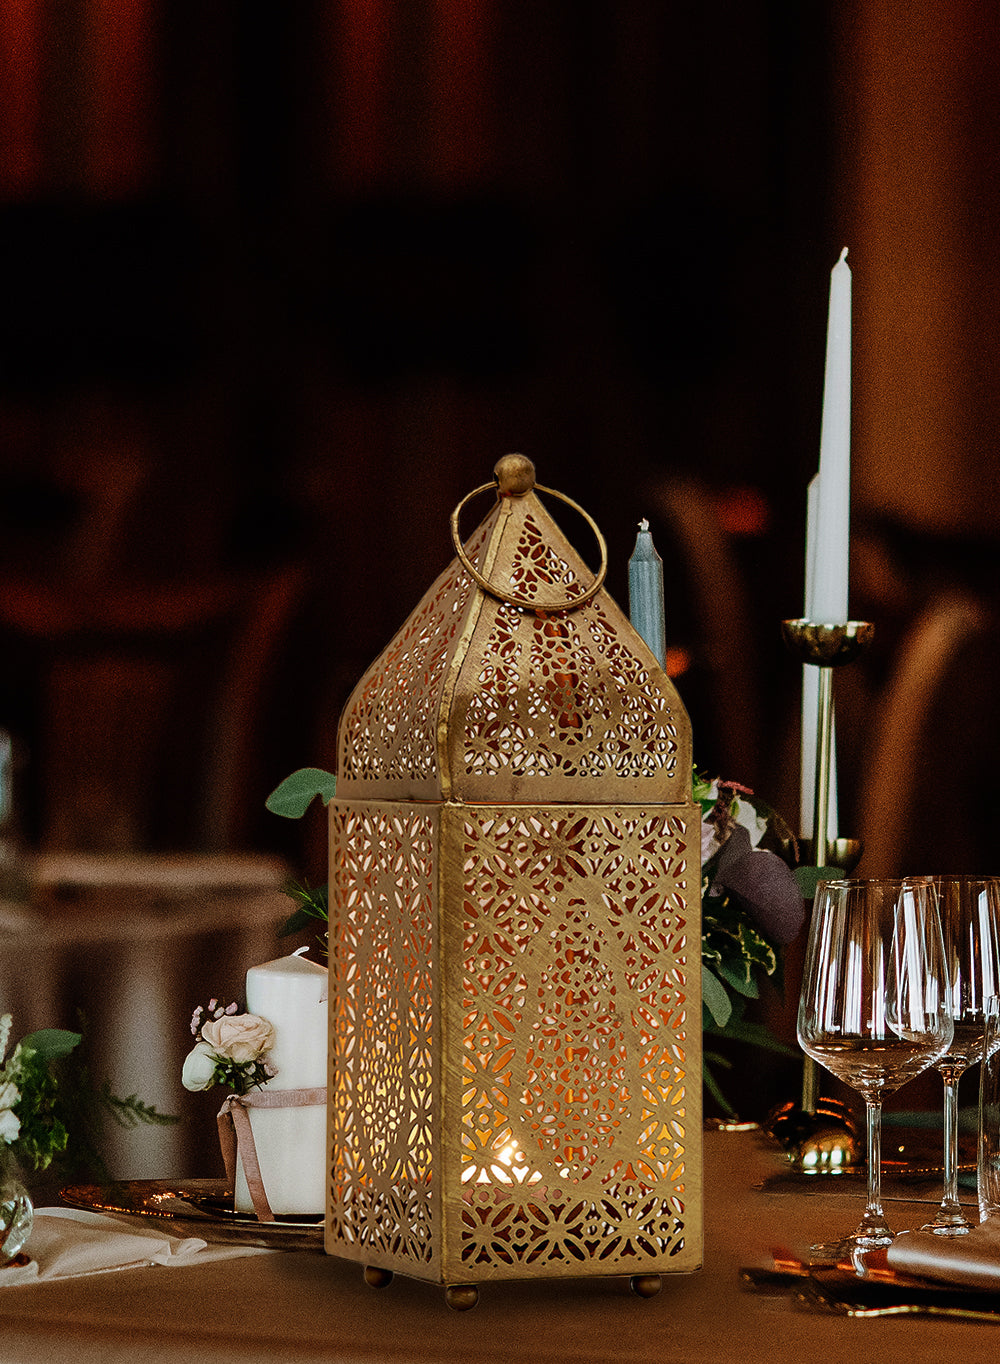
(540, 569)
(561, 697)
(384, 1056)
(479, 700)
(578, 1038)
(388, 738)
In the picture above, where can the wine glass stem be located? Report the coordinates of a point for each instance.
(950, 1203)
(874, 1216)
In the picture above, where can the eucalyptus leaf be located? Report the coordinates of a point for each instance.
(48, 1044)
(715, 997)
(710, 1083)
(808, 878)
(296, 793)
(759, 1035)
(296, 921)
(739, 979)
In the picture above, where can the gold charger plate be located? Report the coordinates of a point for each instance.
(840, 1290)
(910, 1154)
(198, 1207)
(916, 1152)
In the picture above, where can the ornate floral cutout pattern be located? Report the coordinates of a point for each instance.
(570, 1038)
(537, 697)
(562, 694)
(389, 730)
(576, 1040)
(382, 949)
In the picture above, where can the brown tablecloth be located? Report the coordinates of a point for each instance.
(305, 1306)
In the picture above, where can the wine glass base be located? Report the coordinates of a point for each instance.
(948, 1228)
(833, 1252)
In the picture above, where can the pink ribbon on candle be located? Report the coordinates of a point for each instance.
(236, 1136)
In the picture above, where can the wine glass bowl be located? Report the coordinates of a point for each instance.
(969, 910)
(872, 1009)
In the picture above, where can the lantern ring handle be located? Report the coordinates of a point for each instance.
(508, 597)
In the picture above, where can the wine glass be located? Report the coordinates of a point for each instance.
(873, 1009)
(969, 908)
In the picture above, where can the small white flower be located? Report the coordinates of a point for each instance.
(199, 1067)
(10, 1123)
(755, 824)
(6, 1023)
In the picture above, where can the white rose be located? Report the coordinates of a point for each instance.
(241, 1037)
(755, 824)
(9, 1095)
(199, 1067)
(10, 1126)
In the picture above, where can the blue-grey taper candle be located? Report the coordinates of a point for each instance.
(645, 593)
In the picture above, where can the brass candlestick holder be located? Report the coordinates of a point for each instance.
(820, 1134)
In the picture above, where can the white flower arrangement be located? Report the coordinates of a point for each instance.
(229, 1050)
(49, 1109)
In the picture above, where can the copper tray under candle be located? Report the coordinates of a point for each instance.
(196, 1207)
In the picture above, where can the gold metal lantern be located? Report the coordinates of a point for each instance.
(515, 943)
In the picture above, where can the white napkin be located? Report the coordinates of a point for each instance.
(66, 1242)
(969, 1261)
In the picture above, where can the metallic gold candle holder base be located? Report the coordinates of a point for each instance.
(842, 853)
(827, 646)
(823, 1142)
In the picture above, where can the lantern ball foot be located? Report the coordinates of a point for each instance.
(461, 1296)
(377, 1278)
(645, 1285)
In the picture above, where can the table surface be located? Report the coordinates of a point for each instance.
(305, 1306)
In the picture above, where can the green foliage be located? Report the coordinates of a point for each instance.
(295, 794)
(735, 954)
(311, 906)
(808, 878)
(44, 1135)
(62, 1113)
(133, 1111)
(710, 1059)
(715, 999)
(239, 1077)
(732, 945)
(49, 1044)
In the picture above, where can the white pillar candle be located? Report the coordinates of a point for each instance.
(291, 1142)
(810, 698)
(834, 498)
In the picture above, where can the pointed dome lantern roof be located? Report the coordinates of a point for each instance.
(517, 679)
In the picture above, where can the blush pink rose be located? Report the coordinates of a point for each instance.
(240, 1037)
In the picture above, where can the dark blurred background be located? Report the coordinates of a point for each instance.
(281, 283)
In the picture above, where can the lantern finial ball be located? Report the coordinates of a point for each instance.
(515, 474)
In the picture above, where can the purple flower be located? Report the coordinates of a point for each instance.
(763, 884)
